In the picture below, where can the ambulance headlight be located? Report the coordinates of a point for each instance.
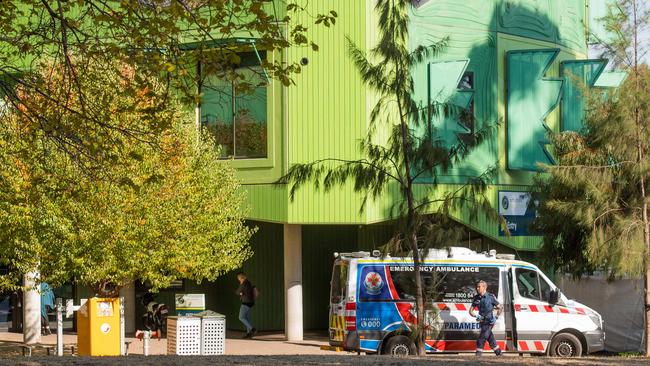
(597, 319)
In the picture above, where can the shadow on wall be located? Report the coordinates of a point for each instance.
(472, 27)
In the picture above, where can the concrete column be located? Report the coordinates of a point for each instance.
(293, 282)
(31, 310)
(128, 293)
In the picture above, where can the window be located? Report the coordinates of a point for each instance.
(461, 286)
(545, 289)
(338, 284)
(531, 285)
(234, 107)
(451, 284)
(466, 116)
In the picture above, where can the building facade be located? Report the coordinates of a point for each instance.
(516, 63)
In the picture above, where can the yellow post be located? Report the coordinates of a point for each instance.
(98, 327)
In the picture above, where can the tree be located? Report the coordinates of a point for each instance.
(161, 40)
(167, 208)
(600, 182)
(408, 154)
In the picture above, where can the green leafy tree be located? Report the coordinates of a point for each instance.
(165, 209)
(160, 40)
(595, 210)
(424, 220)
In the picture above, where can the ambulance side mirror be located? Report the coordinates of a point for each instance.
(554, 296)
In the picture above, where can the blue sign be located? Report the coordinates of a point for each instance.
(518, 211)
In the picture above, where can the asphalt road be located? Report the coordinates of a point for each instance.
(333, 360)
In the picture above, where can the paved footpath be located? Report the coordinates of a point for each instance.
(271, 349)
(263, 344)
(281, 360)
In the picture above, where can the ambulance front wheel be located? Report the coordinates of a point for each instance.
(399, 346)
(565, 345)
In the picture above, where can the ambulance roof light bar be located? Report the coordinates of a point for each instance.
(360, 254)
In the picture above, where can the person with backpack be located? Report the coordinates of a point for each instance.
(247, 294)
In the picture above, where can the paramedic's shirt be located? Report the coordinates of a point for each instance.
(485, 305)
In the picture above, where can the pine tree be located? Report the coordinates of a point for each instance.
(595, 215)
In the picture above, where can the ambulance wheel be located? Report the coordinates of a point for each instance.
(400, 346)
(565, 345)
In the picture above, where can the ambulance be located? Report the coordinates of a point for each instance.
(372, 305)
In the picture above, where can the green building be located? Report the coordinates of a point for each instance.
(517, 62)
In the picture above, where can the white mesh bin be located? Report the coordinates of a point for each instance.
(183, 335)
(213, 335)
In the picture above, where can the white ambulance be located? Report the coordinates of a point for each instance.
(372, 305)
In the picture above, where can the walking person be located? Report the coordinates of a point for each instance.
(246, 292)
(47, 303)
(485, 303)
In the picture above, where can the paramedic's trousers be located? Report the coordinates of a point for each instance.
(486, 334)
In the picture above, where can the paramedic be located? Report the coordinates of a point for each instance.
(246, 294)
(485, 303)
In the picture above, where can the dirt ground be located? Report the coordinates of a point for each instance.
(338, 359)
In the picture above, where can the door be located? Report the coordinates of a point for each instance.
(338, 289)
(535, 318)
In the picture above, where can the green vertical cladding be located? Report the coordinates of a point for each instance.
(470, 28)
(326, 113)
(531, 97)
(443, 78)
(553, 21)
(578, 74)
(319, 242)
(266, 202)
(265, 270)
(327, 110)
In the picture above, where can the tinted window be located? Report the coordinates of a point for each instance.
(545, 289)
(339, 280)
(461, 286)
(444, 283)
(528, 283)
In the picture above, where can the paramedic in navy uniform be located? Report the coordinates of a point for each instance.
(485, 302)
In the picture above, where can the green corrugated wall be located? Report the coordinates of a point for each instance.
(264, 270)
(326, 113)
(318, 245)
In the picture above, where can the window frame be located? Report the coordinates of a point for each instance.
(274, 113)
(540, 278)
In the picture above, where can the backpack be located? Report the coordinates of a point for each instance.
(256, 293)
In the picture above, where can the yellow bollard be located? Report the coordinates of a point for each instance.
(98, 327)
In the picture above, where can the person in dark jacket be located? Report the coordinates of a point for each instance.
(246, 295)
(483, 306)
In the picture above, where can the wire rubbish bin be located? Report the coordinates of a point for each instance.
(213, 335)
(183, 335)
(200, 334)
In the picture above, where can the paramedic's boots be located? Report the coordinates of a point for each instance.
(497, 351)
